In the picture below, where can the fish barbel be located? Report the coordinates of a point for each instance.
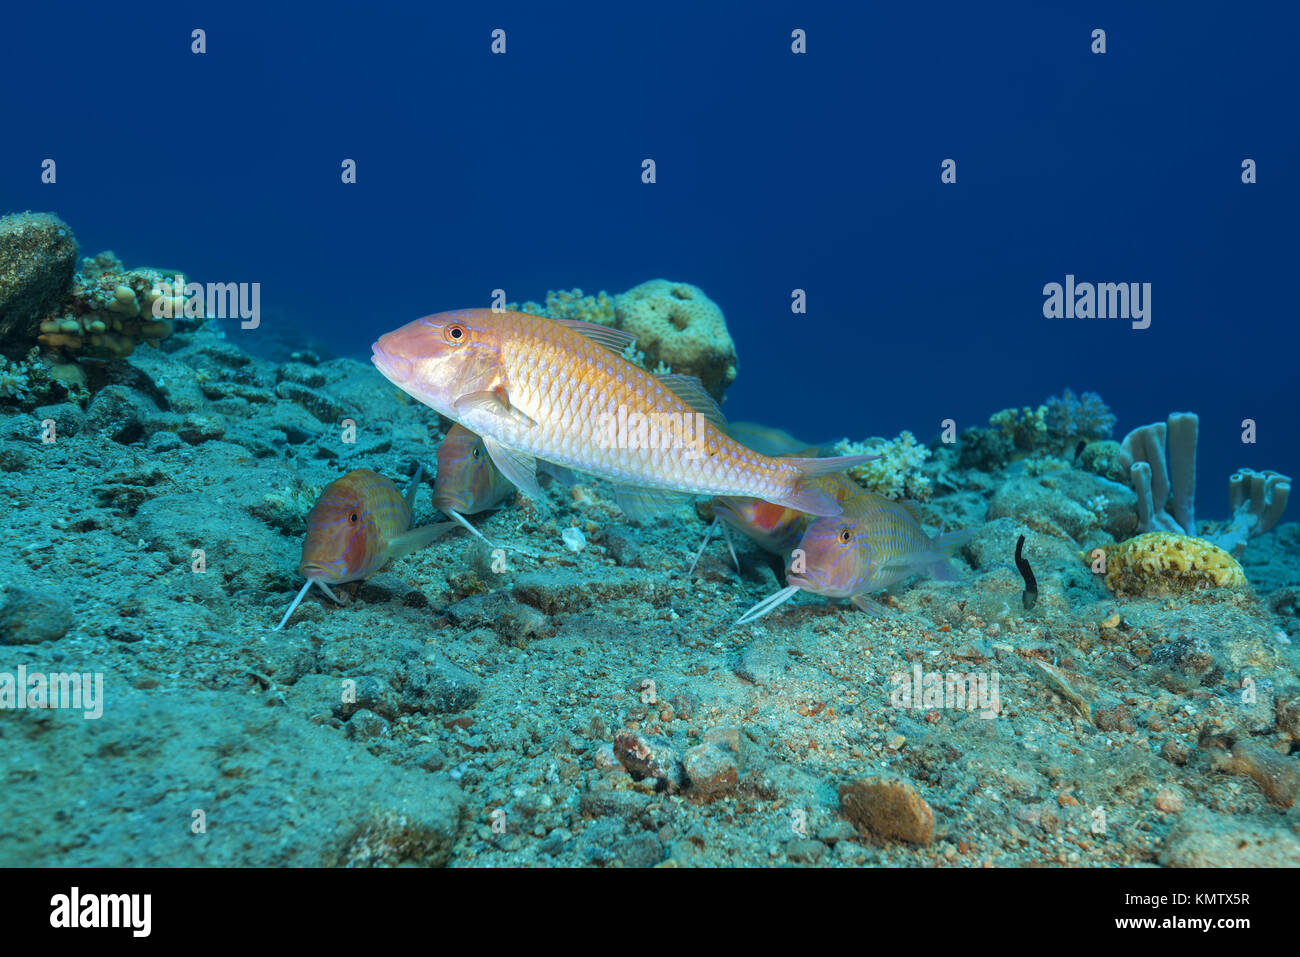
(359, 524)
(558, 390)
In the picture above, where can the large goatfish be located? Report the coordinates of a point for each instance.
(559, 390)
(876, 542)
(359, 524)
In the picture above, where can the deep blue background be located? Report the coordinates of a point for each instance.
(775, 171)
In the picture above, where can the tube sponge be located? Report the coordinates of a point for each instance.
(1257, 501)
(1142, 457)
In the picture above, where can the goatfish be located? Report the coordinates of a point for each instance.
(560, 390)
(773, 528)
(874, 543)
(359, 524)
(467, 482)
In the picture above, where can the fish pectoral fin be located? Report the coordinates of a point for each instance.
(644, 504)
(495, 403)
(519, 467)
(873, 608)
(415, 539)
(558, 472)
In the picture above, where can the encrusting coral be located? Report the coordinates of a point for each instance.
(1169, 563)
(110, 308)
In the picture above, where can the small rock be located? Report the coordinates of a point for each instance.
(623, 544)
(319, 404)
(805, 851)
(887, 808)
(646, 756)
(200, 427)
(711, 771)
(607, 802)
(1175, 752)
(1169, 800)
(365, 725)
(29, 617)
(300, 373)
(119, 413)
(372, 694)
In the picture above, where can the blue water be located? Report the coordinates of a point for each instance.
(775, 172)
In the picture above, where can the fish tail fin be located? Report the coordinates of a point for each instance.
(807, 495)
(947, 544)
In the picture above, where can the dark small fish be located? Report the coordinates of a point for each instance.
(1030, 595)
(1078, 449)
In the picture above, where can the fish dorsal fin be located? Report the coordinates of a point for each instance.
(691, 391)
(519, 467)
(912, 507)
(615, 340)
(411, 489)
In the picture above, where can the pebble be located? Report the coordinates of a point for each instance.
(888, 808)
(573, 539)
(1169, 800)
(805, 851)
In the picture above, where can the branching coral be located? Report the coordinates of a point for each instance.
(897, 473)
(1085, 417)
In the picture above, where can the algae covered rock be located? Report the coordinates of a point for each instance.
(38, 256)
(676, 324)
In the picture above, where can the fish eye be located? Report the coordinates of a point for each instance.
(353, 518)
(845, 536)
(455, 333)
(475, 454)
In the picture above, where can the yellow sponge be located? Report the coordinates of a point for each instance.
(1168, 563)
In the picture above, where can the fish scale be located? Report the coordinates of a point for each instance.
(540, 388)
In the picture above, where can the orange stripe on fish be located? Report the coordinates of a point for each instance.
(558, 390)
(358, 525)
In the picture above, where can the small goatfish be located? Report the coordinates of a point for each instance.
(359, 524)
(875, 543)
(773, 528)
(559, 390)
(467, 482)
